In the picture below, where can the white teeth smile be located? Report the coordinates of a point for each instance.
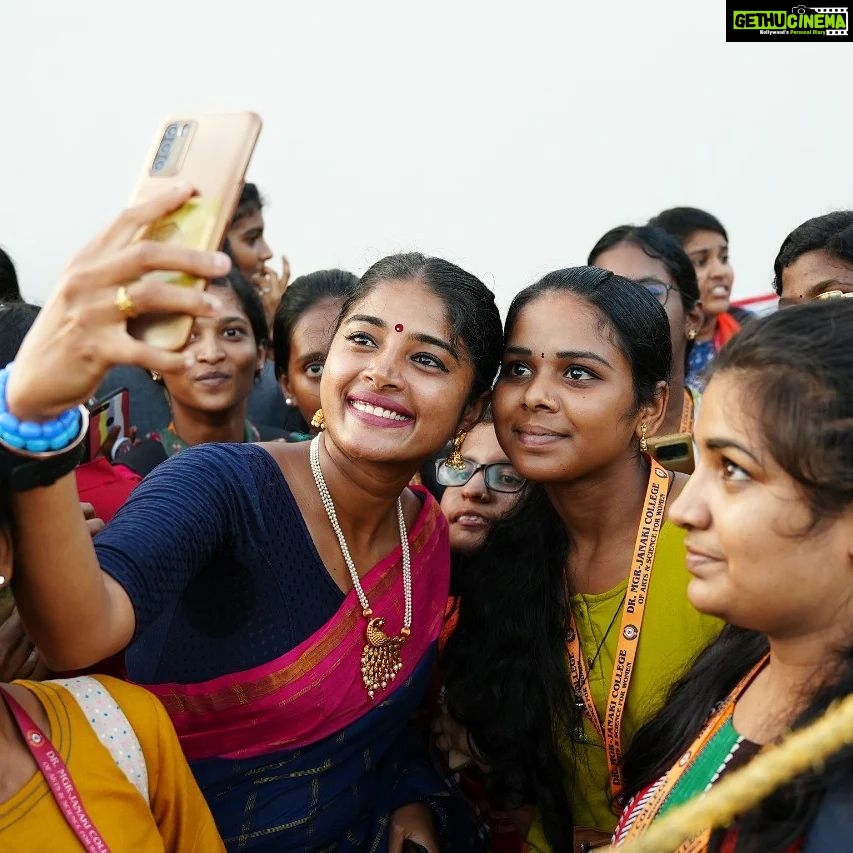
(378, 411)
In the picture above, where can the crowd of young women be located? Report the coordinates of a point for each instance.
(621, 636)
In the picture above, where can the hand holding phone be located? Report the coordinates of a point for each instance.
(85, 314)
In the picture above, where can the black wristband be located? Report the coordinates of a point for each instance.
(21, 473)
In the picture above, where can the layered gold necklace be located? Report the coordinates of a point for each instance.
(380, 657)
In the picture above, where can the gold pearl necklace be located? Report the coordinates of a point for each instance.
(380, 657)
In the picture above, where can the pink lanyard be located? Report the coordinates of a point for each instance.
(56, 775)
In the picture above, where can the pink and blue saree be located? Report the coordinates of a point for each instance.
(294, 754)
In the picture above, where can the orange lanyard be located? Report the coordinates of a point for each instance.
(643, 818)
(633, 611)
(687, 413)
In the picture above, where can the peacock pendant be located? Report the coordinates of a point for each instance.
(380, 657)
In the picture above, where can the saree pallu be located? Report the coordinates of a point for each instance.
(294, 754)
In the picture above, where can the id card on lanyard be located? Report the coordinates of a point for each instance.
(630, 628)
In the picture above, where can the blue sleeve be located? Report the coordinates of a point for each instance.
(173, 524)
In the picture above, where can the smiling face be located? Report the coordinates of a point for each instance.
(814, 273)
(754, 559)
(473, 508)
(225, 358)
(564, 405)
(709, 252)
(394, 385)
(248, 246)
(310, 339)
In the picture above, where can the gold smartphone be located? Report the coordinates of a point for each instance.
(212, 153)
(673, 451)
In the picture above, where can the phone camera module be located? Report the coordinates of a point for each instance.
(171, 147)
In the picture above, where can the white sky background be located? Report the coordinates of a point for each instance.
(506, 138)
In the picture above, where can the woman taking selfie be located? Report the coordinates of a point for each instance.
(587, 618)
(255, 584)
(769, 522)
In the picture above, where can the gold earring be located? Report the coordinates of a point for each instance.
(319, 420)
(644, 445)
(2, 580)
(692, 334)
(455, 460)
(156, 375)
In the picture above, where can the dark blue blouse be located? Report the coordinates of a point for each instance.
(219, 565)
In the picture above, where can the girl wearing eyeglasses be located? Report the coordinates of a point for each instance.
(651, 258)
(485, 488)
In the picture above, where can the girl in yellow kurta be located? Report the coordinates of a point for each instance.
(174, 817)
(575, 620)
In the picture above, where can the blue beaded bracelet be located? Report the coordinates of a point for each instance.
(31, 437)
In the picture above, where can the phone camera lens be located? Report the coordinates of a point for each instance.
(171, 131)
(159, 163)
(165, 148)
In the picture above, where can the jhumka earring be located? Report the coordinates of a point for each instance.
(455, 460)
(644, 445)
(319, 420)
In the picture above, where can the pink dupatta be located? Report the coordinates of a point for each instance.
(315, 689)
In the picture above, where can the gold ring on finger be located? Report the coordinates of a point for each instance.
(124, 303)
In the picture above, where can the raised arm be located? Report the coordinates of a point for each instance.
(74, 612)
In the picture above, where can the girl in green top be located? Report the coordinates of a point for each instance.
(583, 623)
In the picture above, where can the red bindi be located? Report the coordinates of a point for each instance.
(398, 327)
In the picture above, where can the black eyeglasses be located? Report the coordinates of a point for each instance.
(498, 476)
(658, 289)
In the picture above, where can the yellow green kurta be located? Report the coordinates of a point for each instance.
(673, 633)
